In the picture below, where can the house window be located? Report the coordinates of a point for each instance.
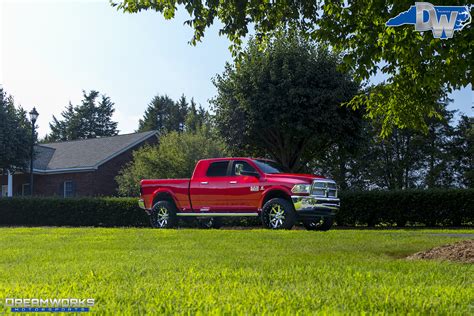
(68, 189)
(25, 189)
(4, 190)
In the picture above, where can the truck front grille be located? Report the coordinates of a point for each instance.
(324, 188)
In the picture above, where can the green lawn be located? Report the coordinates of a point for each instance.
(136, 271)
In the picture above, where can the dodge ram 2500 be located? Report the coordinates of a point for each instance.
(242, 187)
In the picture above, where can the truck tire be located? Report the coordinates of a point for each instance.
(211, 222)
(163, 215)
(278, 214)
(320, 224)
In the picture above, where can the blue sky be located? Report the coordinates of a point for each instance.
(50, 50)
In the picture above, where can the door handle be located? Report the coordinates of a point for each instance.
(204, 182)
(232, 182)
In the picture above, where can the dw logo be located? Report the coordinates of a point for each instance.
(441, 20)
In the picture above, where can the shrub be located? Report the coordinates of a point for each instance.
(106, 212)
(451, 207)
(175, 157)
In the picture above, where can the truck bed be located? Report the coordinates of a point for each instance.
(178, 187)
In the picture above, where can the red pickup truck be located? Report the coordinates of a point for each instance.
(242, 187)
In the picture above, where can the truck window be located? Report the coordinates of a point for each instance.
(268, 166)
(239, 166)
(217, 169)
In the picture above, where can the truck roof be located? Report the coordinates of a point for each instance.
(234, 158)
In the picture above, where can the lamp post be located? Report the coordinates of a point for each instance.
(33, 117)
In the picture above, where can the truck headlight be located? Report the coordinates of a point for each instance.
(301, 188)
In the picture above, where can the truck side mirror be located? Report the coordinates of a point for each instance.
(250, 173)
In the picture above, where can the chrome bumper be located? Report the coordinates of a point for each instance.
(315, 206)
(141, 204)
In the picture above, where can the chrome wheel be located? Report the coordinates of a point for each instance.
(162, 217)
(276, 216)
(320, 223)
(315, 223)
(278, 213)
(208, 223)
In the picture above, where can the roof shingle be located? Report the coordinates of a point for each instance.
(88, 153)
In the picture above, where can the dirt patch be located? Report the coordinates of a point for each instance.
(462, 251)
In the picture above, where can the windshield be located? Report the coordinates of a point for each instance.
(268, 166)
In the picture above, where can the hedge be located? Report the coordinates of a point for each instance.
(106, 212)
(436, 207)
(453, 207)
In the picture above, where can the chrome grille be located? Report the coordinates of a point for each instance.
(319, 192)
(324, 188)
(332, 185)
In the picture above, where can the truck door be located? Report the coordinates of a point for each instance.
(208, 190)
(243, 191)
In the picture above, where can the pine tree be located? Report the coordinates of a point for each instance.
(196, 117)
(462, 150)
(180, 113)
(90, 119)
(15, 138)
(192, 119)
(105, 111)
(164, 114)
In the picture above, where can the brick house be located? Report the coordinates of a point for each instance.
(78, 168)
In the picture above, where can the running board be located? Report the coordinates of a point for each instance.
(216, 214)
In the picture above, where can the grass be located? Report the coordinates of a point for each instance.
(137, 271)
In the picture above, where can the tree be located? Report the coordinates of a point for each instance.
(462, 149)
(164, 114)
(15, 135)
(388, 163)
(417, 65)
(175, 157)
(284, 102)
(90, 119)
(420, 68)
(196, 118)
(436, 154)
(345, 160)
(406, 158)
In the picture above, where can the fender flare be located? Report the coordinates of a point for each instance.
(273, 189)
(166, 191)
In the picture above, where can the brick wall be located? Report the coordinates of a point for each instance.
(98, 183)
(18, 180)
(52, 185)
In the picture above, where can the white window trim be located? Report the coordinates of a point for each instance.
(4, 190)
(64, 188)
(23, 189)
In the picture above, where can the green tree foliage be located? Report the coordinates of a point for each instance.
(462, 149)
(90, 119)
(165, 115)
(284, 102)
(15, 135)
(196, 118)
(174, 157)
(407, 158)
(420, 68)
(417, 65)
